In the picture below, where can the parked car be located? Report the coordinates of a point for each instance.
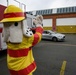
(54, 36)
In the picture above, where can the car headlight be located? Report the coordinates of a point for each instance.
(59, 36)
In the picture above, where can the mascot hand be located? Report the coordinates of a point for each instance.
(38, 21)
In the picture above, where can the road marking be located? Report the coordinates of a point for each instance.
(61, 44)
(63, 68)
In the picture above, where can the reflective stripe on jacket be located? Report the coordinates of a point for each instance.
(20, 58)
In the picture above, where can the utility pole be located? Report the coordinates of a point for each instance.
(7, 2)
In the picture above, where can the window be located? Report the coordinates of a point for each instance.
(44, 11)
(73, 9)
(58, 10)
(41, 11)
(48, 12)
(38, 13)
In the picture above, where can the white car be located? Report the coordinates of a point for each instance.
(54, 36)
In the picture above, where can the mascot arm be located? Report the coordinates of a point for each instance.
(37, 35)
(38, 21)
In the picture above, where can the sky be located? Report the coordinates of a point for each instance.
(32, 5)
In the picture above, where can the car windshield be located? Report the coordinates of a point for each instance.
(52, 32)
(49, 32)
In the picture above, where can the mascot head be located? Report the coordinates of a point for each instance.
(15, 26)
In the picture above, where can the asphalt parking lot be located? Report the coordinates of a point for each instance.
(52, 58)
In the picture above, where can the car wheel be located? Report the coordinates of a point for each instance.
(54, 39)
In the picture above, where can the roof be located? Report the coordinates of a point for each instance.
(55, 11)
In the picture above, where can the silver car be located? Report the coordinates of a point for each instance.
(54, 36)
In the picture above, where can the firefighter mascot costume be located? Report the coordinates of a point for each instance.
(20, 40)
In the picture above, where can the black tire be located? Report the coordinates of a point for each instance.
(54, 39)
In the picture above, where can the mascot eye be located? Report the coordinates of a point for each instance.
(33, 23)
(16, 23)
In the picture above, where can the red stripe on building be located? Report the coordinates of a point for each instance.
(18, 53)
(24, 71)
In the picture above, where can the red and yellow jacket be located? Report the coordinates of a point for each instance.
(20, 58)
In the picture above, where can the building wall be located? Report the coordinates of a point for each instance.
(64, 23)
(2, 8)
(47, 24)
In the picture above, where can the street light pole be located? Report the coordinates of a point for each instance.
(7, 2)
